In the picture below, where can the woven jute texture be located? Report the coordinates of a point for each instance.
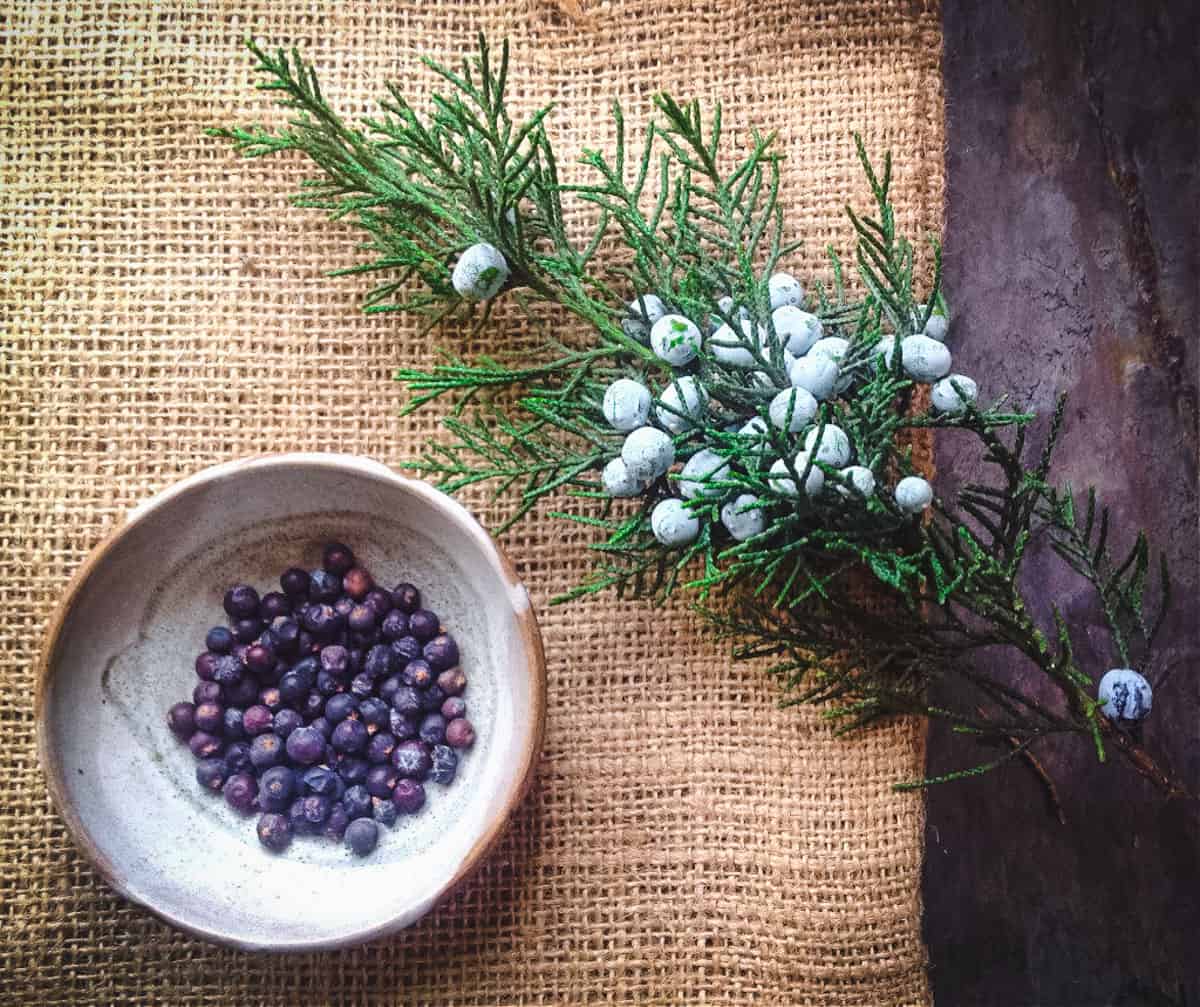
(163, 309)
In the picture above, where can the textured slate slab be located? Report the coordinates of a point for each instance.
(1072, 263)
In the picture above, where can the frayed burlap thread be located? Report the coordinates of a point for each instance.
(163, 309)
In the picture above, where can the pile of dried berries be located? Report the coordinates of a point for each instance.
(327, 705)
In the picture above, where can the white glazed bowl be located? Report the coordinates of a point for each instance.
(119, 651)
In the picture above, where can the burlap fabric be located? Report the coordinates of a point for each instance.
(686, 841)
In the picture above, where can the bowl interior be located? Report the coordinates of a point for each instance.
(124, 654)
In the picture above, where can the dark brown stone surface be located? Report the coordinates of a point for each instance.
(1073, 263)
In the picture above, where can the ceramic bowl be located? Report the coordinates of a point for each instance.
(120, 651)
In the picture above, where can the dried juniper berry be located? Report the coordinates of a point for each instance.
(292, 690)
(343, 607)
(380, 662)
(349, 736)
(335, 824)
(257, 719)
(241, 792)
(373, 712)
(379, 748)
(306, 668)
(274, 832)
(380, 780)
(387, 688)
(411, 759)
(313, 704)
(380, 600)
(383, 810)
(243, 694)
(362, 685)
(361, 619)
(408, 797)
(324, 587)
(316, 810)
(206, 664)
(335, 659)
(305, 643)
(432, 729)
(418, 674)
(207, 692)
(260, 659)
(273, 605)
(270, 698)
(320, 620)
(247, 630)
(424, 625)
(287, 635)
(296, 819)
(352, 769)
(231, 724)
(362, 836)
(407, 648)
(305, 746)
(323, 726)
(204, 745)
(294, 582)
(357, 801)
(268, 639)
(460, 733)
(452, 681)
(431, 699)
(337, 558)
(403, 725)
(406, 699)
(321, 781)
(277, 788)
(219, 640)
(454, 707)
(241, 601)
(227, 670)
(395, 625)
(328, 685)
(441, 652)
(211, 773)
(181, 719)
(356, 582)
(266, 750)
(406, 598)
(362, 641)
(237, 757)
(286, 721)
(445, 764)
(341, 706)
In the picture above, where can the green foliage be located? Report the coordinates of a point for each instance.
(855, 604)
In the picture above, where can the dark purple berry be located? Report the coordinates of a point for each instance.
(433, 729)
(243, 694)
(211, 773)
(343, 607)
(431, 699)
(406, 598)
(240, 791)
(383, 810)
(417, 673)
(406, 699)
(411, 759)
(352, 769)
(341, 706)
(328, 685)
(277, 787)
(355, 658)
(274, 605)
(323, 726)
(241, 601)
(452, 681)
(286, 721)
(247, 630)
(395, 625)
(379, 748)
(306, 670)
(349, 736)
(305, 643)
(268, 639)
(257, 719)
(207, 692)
(380, 661)
(237, 757)
(362, 836)
(363, 641)
(204, 745)
(270, 698)
(441, 652)
(361, 619)
(239, 651)
(324, 587)
(320, 620)
(362, 685)
(445, 764)
(423, 624)
(357, 801)
(295, 816)
(337, 558)
(305, 746)
(387, 688)
(231, 724)
(294, 581)
(219, 640)
(274, 832)
(335, 824)
(380, 780)
(407, 648)
(322, 782)
(181, 719)
(453, 707)
(356, 582)
(373, 712)
(316, 810)
(460, 733)
(287, 635)
(206, 664)
(292, 690)
(227, 670)
(335, 660)
(260, 660)
(402, 725)
(408, 796)
(266, 750)
(380, 600)
(313, 705)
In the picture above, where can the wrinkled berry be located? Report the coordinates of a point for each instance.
(181, 719)
(341, 706)
(274, 832)
(380, 600)
(266, 750)
(291, 689)
(433, 729)
(287, 636)
(362, 836)
(362, 685)
(373, 712)
(423, 624)
(323, 726)
(460, 733)
(431, 699)
(380, 662)
(445, 764)
(257, 720)
(231, 726)
(352, 769)
(240, 792)
(380, 780)
(203, 745)
(408, 796)
(320, 620)
(277, 788)
(357, 801)
(356, 582)
(403, 725)
(227, 670)
(411, 759)
(270, 698)
(207, 692)
(335, 824)
(361, 619)
(362, 642)
(313, 704)
(328, 685)
(241, 601)
(379, 748)
(305, 746)
(406, 699)
(247, 630)
(260, 660)
(322, 782)
(407, 648)
(406, 598)
(324, 586)
(206, 664)
(243, 694)
(273, 605)
(286, 721)
(211, 773)
(441, 652)
(335, 660)
(296, 818)
(417, 674)
(237, 757)
(343, 607)
(219, 640)
(349, 736)
(453, 707)
(452, 681)
(306, 670)
(383, 810)
(316, 809)
(294, 581)
(387, 688)
(395, 625)
(337, 558)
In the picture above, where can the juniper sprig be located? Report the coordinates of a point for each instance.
(858, 604)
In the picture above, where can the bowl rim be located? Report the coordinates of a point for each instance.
(526, 622)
